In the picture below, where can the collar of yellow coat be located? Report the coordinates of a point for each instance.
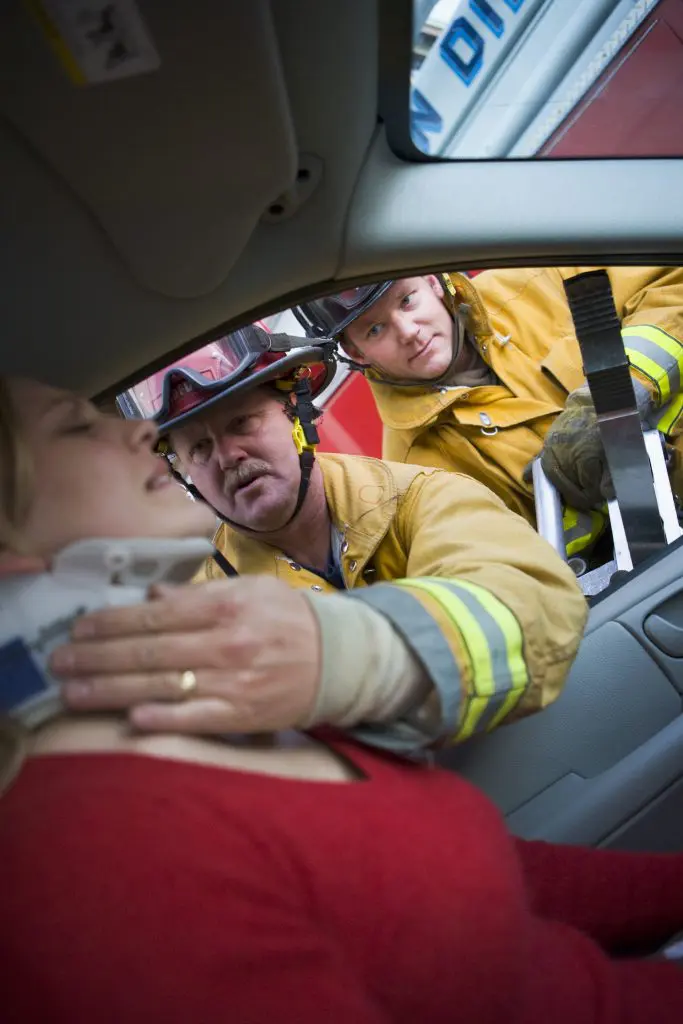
(407, 407)
(361, 497)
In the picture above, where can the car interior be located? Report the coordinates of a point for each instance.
(171, 172)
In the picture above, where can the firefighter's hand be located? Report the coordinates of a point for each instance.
(225, 656)
(573, 457)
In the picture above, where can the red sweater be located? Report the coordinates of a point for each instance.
(135, 889)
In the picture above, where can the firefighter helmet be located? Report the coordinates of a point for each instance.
(225, 368)
(329, 317)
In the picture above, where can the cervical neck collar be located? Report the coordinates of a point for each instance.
(37, 612)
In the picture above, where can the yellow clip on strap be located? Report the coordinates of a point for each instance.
(299, 438)
(449, 285)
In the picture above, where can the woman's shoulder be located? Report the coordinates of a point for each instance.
(126, 790)
(140, 888)
(142, 815)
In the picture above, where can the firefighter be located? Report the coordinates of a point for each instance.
(483, 377)
(414, 573)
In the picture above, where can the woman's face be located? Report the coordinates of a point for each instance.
(96, 475)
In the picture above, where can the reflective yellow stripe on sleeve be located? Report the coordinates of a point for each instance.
(493, 644)
(581, 529)
(657, 355)
(671, 416)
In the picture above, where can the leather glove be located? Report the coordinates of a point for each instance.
(573, 457)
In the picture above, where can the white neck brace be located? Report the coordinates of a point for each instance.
(37, 612)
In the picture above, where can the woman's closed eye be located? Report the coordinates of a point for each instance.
(80, 419)
(80, 427)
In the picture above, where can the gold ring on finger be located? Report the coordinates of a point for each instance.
(187, 684)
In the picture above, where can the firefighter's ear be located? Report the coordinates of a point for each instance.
(434, 283)
(21, 565)
(354, 353)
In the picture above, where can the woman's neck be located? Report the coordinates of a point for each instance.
(288, 755)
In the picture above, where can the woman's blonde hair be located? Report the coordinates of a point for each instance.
(16, 472)
(16, 476)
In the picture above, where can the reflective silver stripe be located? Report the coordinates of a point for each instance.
(670, 415)
(493, 707)
(424, 636)
(496, 642)
(582, 528)
(665, 361)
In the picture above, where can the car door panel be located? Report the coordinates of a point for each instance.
(604, 764)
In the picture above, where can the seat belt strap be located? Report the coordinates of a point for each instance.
(607, 371)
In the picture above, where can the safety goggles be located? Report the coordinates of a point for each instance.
(185, 383)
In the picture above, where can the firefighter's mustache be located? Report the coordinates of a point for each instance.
(244, 473)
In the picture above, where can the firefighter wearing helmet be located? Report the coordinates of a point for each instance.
(483, 377)
(233, 366)
(430, 633)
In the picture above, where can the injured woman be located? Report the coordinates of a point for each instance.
(287, 877)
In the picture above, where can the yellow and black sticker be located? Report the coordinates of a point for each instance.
(97, 41)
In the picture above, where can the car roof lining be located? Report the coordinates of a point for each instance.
(132, 210)
(171, 203)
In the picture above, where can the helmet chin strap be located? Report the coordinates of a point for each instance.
(305, 437)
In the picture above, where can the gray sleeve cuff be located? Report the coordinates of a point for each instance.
(373, 682)
(438, 716)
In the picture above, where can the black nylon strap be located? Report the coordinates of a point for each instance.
(306, 413)
(222, 563)
(606, 365)
(598, 330)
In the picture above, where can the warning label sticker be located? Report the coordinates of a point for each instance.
(97, 41)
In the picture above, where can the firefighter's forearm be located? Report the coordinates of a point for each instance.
(491, 612)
